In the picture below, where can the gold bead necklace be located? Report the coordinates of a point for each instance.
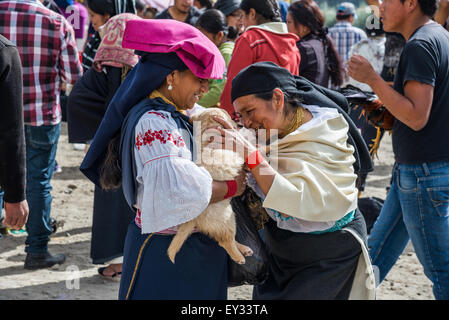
(297, 121)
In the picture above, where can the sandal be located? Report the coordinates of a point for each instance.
(113, 277)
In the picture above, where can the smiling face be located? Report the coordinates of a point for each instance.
(259, 114)
(97, 19)
(187, 88)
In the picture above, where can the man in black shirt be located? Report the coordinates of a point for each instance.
(12, 139)
(417, 205)
(182, 10)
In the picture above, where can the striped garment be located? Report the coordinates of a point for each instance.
(48, 52)
(90, 51)
(345, 36)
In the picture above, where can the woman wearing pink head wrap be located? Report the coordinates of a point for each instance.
(144, 144)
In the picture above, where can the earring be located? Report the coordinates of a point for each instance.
(170, 87)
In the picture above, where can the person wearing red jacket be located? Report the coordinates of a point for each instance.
(266, 38)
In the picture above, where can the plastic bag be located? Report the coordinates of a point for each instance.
(255, 269)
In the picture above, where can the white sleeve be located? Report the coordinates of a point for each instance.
(172, 188)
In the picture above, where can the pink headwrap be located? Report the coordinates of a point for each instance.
(110, 52)
(199, 54)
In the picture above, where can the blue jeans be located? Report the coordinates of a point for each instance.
(416, 209)
(41, 145)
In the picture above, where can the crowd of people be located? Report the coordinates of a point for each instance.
(127, 75)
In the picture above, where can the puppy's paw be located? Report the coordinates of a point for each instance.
(247, 252)
(171, 256)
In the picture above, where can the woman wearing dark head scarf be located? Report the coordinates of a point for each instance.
(266, 38)
(307, 183)
(100, 11)
(87, 105)
(320, 61)
(153, 162)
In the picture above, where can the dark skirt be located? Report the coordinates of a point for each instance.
(88, 101)
(111, 218)
(311, 266)
(199, 272)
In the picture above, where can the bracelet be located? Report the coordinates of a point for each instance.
(232, 188)
(254, 159)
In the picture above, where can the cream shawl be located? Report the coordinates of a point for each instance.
(315, 179)
(316, 182)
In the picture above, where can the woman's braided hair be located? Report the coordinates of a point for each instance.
(266, 9)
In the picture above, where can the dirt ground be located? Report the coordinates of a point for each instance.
(77, 278)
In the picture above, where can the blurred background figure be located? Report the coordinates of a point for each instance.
(320, 62)
(77, 15)
(394, 44)
(144, 10)
(442, 14)
(150, 13)
(234, 16)
(100, 11)
(87, 104)
(283, 6)
(158, 5)
(181, 10)
(344, 34)
(49, 58)
(140, 8)
(203, 5)
(264, 34)
(372, 49)
(213, 24)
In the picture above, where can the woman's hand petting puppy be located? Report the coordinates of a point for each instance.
(229, 138)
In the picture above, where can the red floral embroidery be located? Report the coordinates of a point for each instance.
(160, 135)
(157, 114)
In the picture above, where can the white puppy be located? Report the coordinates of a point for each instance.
(218, 220)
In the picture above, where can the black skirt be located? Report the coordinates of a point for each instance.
(199, 271)
(307, 266)
(88, 101)
(111, 218)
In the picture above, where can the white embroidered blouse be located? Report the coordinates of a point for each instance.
(172, 189)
